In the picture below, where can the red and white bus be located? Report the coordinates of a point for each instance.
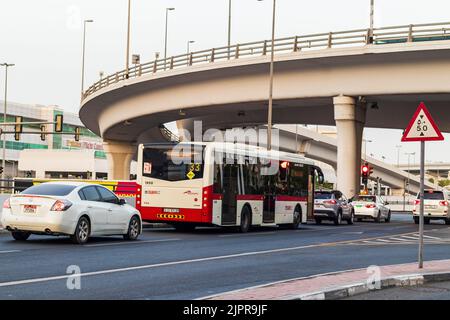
(224, 184)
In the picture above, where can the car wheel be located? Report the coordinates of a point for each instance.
(82, 231)
(447, 221)
(134, 228)
(245, 220)
(359, 219)
(416, 220)
(426, 221)
(338, 219)
(318, 221)
(351, 220)
(388, 218)
(378, 218)
(20, 235)
(297, 219)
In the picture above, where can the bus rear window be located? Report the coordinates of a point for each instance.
(168, 163)
(432, 195)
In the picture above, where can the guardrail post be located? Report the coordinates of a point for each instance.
(107, 81)
(213, 52)
(265, 48)
(369, 36)
(296, 44)
(410, 33)
(237, 52)
(171, 63)
(330, 39)
(140, 70)
(117, 77)
(155, 66)
(191, 58)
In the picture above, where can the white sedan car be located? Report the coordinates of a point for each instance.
(373, 207)
(76, 209)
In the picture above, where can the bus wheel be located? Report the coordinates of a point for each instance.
(297, 219)
(245, 220)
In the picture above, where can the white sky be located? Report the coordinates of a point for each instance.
(43, 38)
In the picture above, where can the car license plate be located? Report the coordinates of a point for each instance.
(29, 209)
(430, 207)
(318, 206)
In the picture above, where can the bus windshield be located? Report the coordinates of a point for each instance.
(168, 163)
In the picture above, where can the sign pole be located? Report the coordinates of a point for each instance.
(422, 187)
(422, 128)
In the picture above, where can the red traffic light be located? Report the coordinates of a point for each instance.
(365, 169)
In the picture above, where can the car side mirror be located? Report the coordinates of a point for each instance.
(122, 202)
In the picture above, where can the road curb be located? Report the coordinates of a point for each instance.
(355, 289)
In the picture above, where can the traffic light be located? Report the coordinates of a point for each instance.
(77, 133)
(365, 170)
(59, 123)
(43, 130)
(18, 128)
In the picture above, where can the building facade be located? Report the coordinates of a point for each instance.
(56, 147)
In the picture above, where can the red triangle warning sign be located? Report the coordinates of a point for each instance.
(422, 127)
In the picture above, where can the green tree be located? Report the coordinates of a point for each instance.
(444, 183)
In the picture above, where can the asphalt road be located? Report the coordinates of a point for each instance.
(165, 264)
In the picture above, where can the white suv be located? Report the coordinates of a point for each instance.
(436, 206)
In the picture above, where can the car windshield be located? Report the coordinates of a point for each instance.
(365, 198)
(432, 195)
(49, 189)
(322, 195)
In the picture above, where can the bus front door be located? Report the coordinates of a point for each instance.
(230, 191)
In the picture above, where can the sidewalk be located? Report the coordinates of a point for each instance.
(341, 284)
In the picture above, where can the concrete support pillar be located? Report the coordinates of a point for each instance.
(350, 120)
(119, 156)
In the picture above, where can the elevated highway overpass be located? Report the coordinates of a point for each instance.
(349, 79)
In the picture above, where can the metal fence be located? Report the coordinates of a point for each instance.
(352, 38)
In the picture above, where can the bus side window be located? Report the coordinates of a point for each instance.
(218, 179)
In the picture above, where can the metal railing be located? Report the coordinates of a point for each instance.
(352, 38)
(168, 134)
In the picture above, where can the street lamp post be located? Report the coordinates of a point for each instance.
(6, 65)
(127, 64)
(189, 46)
(83, 56)
(409, 154)
(372, 10)
(229, 28)
(165, 38)
(272, 58)
(398, 154)
(365, 148)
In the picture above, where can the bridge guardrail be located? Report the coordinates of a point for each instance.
(385, 35)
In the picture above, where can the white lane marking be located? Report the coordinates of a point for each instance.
(384, 240)
(430, 237)
(163, 264)
(246, 235)
(399, 239)
(9, 251)
(413, 237)
(129, 242)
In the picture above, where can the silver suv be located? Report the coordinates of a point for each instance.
(334, 206)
